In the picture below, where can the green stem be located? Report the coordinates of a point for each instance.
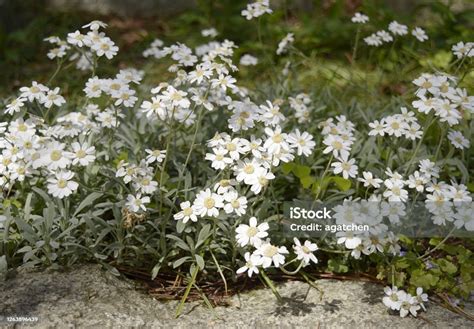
(356, 44)
(428, 252)
(188, 289)
(269, 282)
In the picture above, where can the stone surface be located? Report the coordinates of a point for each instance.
(89, 297)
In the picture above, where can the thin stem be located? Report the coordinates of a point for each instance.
(188, 289)
(428, 252)
(356, 44)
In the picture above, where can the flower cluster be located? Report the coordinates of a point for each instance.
(438, 93)
(405, 303)
(265, 253)
(257, 9)
(338, 139)
(85, 48)
(394, 29)
(397, 125)
(462, 49)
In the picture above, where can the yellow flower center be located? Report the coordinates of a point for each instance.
(209, 203)
(62, 183)
(56, 155)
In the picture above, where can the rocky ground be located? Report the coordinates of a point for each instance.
(87, 297)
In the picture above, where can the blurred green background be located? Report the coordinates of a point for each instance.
(323, 31)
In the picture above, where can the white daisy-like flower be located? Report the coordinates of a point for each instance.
(369, 180)
(360, 18)
(251, 234)
(235, 203)
(252, 262)
(137, 203)
(393, 298)
(419, 33)
(219, 159)
(303, 142)
(248, 60)
(271, 254)
(458, 140)
(208, 203)
(61, 185)
(345, 166)
(187, 213)
(82, 154)
(397, 28)
(305, 252)
(155, 156)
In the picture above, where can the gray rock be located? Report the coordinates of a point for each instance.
(87, 297)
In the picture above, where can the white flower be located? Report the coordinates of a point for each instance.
(359, 18)
(394, 125)
(394, 298)
(284, 43)
(420, 34)
(208, 203)
(15, 105)
(251, 234)
(257, 9)
(345, 166)
(54, 157)
(350, 241)
(303, 142)
(395, 191)
(186, 213)
(260, 180)
(460, 49)
(458, 140)
(429, 169)
(93, 87)
(384, 36)
(270, 114)
(305, 252)
(95, 25)
(251, 264)
(61, 185)
(105, 47)
(336, 145)
(76, 38)
(421, 297)
(417, 181)
(224, 82)
(146, 184)
(219, 159)
(155, 156)
(373, 40)
(246, 170)
(248, 60)
(369, 180)
(271, 253)
(211, 32)
(82, 154)
(276, 140)
(397, 28)
(36, 91)
(51, 98)
(464, 216)
(137, 203)
(409, 305)
(235, 203)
